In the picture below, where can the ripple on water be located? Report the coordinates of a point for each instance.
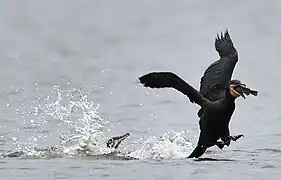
(75, 167)
(214, 159)
(268, 167)
(58, 175)
(26, 168)
(273, 150)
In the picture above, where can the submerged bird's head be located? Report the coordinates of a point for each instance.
(115, 141)
(235, 89)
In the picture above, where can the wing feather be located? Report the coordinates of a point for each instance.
(171, 80)
(219, 73)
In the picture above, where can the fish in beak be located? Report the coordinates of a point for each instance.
(238, 89)
(241, 89)
(115, 141)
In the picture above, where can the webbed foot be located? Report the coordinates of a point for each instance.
(220, 144)
(235, 138)
(226, 140)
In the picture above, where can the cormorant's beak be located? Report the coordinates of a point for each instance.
(115, 141)
(241, 89)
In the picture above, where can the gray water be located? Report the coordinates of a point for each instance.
(100, 48)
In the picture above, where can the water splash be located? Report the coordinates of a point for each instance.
(74, 119)
(79, 130)
(172, 145)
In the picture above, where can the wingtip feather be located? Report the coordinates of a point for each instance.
(223, 43)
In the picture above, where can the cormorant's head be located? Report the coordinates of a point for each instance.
(235, 89)
(115, 141)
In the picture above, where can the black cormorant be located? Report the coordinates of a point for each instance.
(115, 141)
(216, 96)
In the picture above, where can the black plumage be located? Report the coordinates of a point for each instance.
(216, 96)
(219, 73)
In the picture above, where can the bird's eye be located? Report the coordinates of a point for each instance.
(109, 143)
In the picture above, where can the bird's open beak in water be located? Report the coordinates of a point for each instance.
(241, 89)
(115, 141)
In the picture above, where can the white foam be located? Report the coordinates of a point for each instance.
(81, 130)
(172, 145)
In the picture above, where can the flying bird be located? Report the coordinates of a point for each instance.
(216, 96)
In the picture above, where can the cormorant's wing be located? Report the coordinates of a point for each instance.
(218, 74)
(171, 80)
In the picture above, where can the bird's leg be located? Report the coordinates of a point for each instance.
(198, 151)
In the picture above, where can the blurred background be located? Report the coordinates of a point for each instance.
(61, 59)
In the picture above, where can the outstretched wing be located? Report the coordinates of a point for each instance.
(171, 80)
(218, 74)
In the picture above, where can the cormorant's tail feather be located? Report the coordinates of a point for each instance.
(224, 45)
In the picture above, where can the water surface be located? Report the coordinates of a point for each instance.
(69, 71)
